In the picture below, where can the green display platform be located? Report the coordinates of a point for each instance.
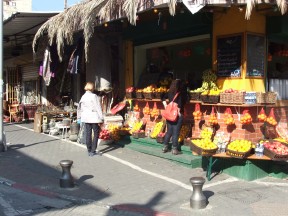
(151, 147)
(248, 170)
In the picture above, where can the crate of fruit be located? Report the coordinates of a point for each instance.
(276, 150)
(209, 150)
(266, 98)
(232, 98)
(139, 95)
(238, 97)
(194, 96)
(214, 99)
(130, 92)
(148, 95)
(159, 139)
(237, 154)
(138, 135)
(187, 141)
(130, 95)
(204, 98)
(225, 98)
(239, 148)
(158, 95)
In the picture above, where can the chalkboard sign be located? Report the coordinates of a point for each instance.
(255, 55)
(229, 56)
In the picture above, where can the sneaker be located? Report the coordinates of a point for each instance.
(165, 149)
(175, 152)
(99, 152)
(91, 154)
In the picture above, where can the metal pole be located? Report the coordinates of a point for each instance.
(1, 80)
(65, 4)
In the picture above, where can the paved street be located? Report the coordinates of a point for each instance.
(120, 182)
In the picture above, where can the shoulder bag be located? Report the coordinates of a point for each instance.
(171, 111)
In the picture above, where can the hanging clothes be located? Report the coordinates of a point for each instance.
(46, 73)
(50, 62)
(75, 58)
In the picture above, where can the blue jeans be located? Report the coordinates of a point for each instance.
(173, 130)
(92, 145)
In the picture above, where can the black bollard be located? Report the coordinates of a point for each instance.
(197, 200)
(66, 180)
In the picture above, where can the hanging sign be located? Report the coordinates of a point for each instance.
(193, 6)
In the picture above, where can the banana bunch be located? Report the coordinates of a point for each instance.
(157, 129)
(137, 126)
(185, 129)
(209, 82)
(114, 131)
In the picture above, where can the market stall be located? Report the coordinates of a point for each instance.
(228, 124)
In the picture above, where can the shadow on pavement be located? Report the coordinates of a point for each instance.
(83, 178)
(146, 209)
(35, 176)
(19, 146)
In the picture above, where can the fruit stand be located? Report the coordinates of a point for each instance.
(221, 124)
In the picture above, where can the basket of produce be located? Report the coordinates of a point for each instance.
(238, 98)
(187, 141)
(130, 92)
(185, 131)
(226, 98)
(204, 147)
(282, 131)
(232, 97)
(266, 98)
(130, 95)
(204, 98)
(276, 150)
(138, 134)
(239, 148)
(158, 95)
(160, 137)
(159, 92)
(214, 99)
(148, 95)
(194, 96)
(158, 128)
(139, 94)
(124, 131)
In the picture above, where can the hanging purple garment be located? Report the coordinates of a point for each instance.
(41, 69)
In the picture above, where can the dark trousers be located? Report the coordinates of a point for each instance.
(92, 145)
(173, 130)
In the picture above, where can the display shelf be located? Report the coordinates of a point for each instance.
(218, 104)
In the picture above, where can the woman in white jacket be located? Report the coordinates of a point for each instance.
(89, 111)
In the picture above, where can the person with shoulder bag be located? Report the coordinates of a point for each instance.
(177, 94)
(90, 113)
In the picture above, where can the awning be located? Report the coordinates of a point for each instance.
(19, 30)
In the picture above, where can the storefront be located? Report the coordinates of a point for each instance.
(245, 59)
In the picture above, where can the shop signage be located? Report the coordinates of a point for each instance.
(229, 55)
(256, 50)
(193, 6)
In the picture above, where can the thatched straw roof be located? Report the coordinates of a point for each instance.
(90, 13)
